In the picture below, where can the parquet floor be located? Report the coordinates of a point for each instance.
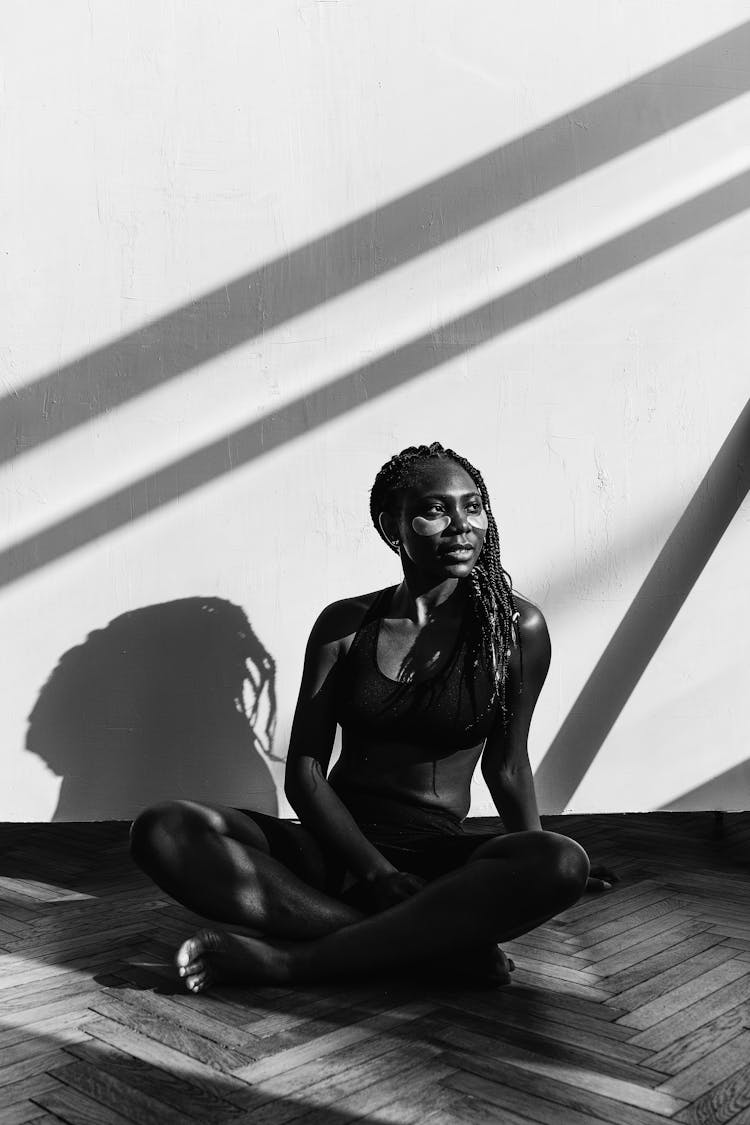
(631, 1008)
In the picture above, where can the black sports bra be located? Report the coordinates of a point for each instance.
(448, 711)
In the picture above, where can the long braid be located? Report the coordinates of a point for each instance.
(490, 587)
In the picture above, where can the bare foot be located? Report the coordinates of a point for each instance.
(213, 956)
(497, 967)
(488, 967)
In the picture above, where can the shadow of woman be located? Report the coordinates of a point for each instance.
(172, 700)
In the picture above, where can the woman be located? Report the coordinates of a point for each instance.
(424, 678)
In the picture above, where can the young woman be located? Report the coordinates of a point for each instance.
(424, 678)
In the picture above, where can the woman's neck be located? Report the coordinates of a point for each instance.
(421, 599)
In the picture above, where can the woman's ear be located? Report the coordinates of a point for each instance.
(389, 527)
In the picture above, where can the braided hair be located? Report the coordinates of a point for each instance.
(493, 611)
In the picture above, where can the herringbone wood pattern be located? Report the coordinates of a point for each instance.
(631, 1008)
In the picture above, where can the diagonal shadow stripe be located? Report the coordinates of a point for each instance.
(644, 626)
(387, 373)
(368, 247)
(732, 787)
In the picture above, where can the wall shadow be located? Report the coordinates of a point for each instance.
(728, 790)
(170, 700)
(438, 211)
(393, 369)
(644, 626)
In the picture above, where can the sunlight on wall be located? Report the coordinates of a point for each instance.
(582, 341)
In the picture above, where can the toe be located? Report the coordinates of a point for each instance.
(193, 968)
(505, 963)
(193, 958)
(189, 952)
(197, 982)
(503, 967)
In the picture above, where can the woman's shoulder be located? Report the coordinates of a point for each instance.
(341, 619)
(531, 621)
(534, 636)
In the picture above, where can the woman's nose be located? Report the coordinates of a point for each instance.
(460, 522)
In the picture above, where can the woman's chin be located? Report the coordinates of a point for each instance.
(458, 568)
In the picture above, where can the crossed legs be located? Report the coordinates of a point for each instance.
(217, 862)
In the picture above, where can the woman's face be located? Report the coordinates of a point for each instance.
(442, 523)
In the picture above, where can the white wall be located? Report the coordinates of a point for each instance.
(156, 156)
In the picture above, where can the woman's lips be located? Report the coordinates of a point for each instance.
(457, 552)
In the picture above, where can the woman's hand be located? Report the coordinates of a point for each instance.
(387, 890)
(375, 895)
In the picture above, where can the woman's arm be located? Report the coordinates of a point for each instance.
(505, 760)
(317, 805)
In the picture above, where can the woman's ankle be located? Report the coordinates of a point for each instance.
(303, 962)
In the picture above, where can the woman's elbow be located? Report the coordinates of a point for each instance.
(496, 773)
(301, 780)
(507, 777)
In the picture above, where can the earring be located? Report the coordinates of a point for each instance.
(396, 543)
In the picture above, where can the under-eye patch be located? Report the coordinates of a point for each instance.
(424, 526)
(478, 520)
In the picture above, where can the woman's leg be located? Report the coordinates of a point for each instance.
(511, 885)
(218, 862)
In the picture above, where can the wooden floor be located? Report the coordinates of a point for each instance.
(631, 1008)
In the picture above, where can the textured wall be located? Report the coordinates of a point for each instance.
(250, 251)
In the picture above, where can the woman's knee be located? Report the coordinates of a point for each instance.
(168, 830)
(555, 865)
(152, 827)
(166, 825)
(568, 867)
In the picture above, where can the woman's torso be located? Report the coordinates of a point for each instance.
(414, 742)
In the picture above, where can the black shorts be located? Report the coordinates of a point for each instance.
(428, 847)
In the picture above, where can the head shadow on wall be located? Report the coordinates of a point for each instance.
(173, 700)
